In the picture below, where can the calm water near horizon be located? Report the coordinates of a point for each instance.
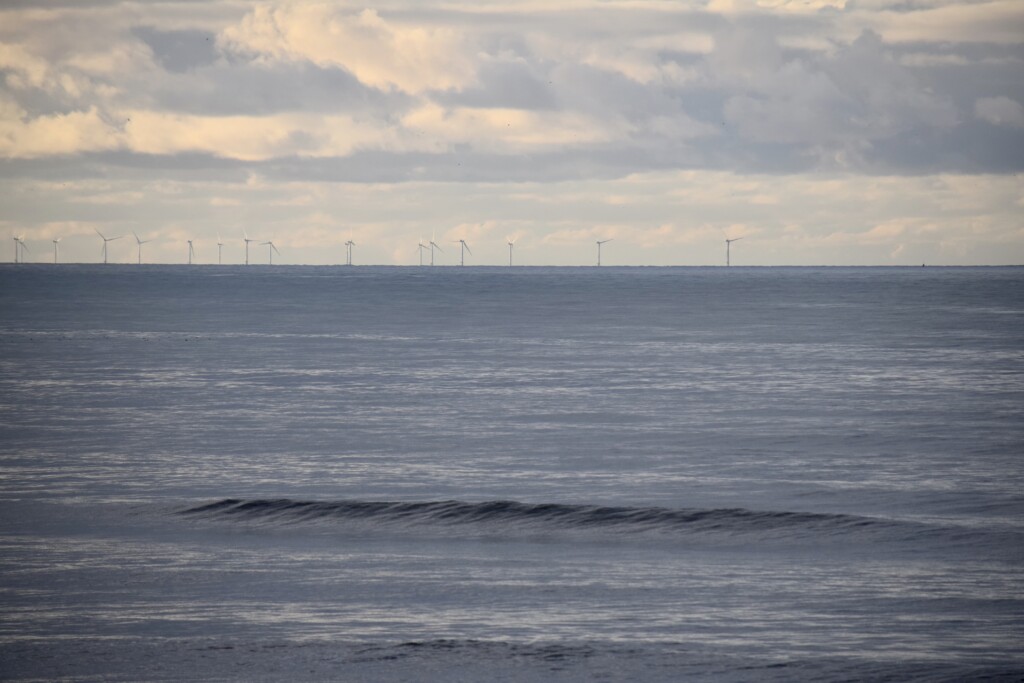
(415, 473)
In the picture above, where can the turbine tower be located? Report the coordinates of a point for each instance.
(191, 252)
(434, 244)
(220, 248)
(348, 250)
(270, 250)
(420, 249)
(140, 243)
(105, 240)
(20, 242)
(599, 243)
(462, 252)
(510, 244)
(728, 243)
(245, 237)
(55, 242)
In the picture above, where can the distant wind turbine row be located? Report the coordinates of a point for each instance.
(20, 248)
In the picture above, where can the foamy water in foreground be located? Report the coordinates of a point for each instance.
(407, 474)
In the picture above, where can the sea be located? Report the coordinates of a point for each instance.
(273, 473)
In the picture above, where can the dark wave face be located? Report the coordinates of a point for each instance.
(503, 516)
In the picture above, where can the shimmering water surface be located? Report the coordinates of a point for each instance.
(515, 474)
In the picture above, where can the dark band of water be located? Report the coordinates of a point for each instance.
(541, 517)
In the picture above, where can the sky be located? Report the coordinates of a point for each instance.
(818, 132)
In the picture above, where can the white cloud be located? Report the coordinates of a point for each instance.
(380, 52)
(1000, 111)
(998, 21)
(59, 134)
(508, 129)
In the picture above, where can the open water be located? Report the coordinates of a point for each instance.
(511, 474)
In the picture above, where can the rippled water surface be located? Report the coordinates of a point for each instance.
(527, 473)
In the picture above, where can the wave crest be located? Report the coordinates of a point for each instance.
(503, 515)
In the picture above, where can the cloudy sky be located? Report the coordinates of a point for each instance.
(819, 131)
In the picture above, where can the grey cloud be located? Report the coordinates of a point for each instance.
(256, 89)
(833, 106)
(504, 84)
(973, 147)
(1000, 111)
(179, 51)
(120, 165)
(654, 113)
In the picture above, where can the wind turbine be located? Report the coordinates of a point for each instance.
(245, 237)
(421, 248)
(220, 248)
(510, 243)
(434, 244)
(55, 248)
(599, 243)
(462, 252)
(270, 251)
(141, 242)
(348, 247)
(105, 240)
(20, 242)
(191, 252)
(728, 243)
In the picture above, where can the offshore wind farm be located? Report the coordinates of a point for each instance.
(19, 253)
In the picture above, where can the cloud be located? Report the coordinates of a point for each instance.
(504, 84)
(656, 123)
(1000, 111)
(71, 133)
(507, 129)
(179, 51)
(380, 53)
(286, 135)
(860, 93)
(997, 21)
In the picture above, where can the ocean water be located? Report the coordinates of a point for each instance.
(511, 474)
